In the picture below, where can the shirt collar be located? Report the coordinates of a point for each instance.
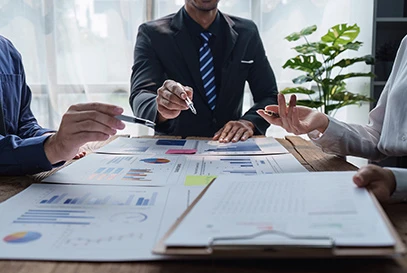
(195, 29)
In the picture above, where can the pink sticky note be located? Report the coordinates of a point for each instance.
(181, 151)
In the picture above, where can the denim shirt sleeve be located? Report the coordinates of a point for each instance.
(22, 149)
(23, 156)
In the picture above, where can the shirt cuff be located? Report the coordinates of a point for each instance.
(43, 131)
(400, 192)
(32, 155)
(330, 138)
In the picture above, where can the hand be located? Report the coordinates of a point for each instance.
(235, 131)
(380, 181)
(80, 124)
(171, 100)
(79, 155)
(295, 119)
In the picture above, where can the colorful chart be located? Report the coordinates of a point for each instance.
(155, 160)
(22, 237)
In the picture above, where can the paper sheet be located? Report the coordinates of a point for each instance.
(123, 145)
(89, 223)
(325, 205)
(252, 146)
(153, 170)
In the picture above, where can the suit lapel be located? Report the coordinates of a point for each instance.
(231, 38)
(185, 45)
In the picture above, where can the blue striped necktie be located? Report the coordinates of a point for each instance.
(207, 70)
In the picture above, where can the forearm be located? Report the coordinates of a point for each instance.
(349, 139)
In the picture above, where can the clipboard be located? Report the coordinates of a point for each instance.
(255, 251)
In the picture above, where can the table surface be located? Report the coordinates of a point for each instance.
(306, 153)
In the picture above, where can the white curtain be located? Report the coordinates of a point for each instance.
(82, 50)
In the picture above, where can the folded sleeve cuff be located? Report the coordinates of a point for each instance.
(330, 138)
(32, 157)
(401, 184)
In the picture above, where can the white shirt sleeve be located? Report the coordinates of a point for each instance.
(401, 183)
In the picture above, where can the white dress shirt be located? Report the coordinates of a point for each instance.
(385, 134)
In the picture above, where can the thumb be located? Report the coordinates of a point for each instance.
(364, 176)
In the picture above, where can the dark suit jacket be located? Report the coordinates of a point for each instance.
(164, 50)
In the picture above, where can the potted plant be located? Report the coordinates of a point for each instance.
(321, 64)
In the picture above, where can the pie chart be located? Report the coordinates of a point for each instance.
(22, 237)
(155, 160)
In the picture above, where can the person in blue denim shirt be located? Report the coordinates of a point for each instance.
(26, 147)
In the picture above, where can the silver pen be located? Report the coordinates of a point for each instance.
(188, 101)
(142, 121)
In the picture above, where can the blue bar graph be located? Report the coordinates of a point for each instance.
(55, 217)
(239, 162)
(89, 199)
(142, 201)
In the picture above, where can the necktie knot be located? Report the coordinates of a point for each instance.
(206, 36)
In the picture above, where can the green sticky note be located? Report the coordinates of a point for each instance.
(198, 180)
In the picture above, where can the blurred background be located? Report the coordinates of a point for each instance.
(82, 50)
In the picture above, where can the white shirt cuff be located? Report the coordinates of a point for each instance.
(401, 184)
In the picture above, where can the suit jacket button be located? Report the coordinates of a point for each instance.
(214, 120)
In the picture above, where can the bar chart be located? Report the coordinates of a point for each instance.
(107, 173)
(137, 175)
(87, 199)
(143, 202)
(55, 217)
(239, 165)
(235, 147)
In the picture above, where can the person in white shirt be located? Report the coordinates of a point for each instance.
(385, 134)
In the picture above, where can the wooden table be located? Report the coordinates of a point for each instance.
(308, 154)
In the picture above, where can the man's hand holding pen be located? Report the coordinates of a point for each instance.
(172, 98)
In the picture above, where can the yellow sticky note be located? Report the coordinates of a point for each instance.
(198, 180)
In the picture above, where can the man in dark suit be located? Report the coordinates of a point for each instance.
(207, 56)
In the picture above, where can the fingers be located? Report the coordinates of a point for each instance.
(91, 121)
(225, 132)
(268, 118)
(171, 99)
(235, 131)
(366, 175)
(107, 109)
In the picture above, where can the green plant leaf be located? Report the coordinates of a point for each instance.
(310, 48)
(341, 34)
(304, 32)
(308, 30)
(368, 59)
(303, 78)
(307, 63)
(298, 90)
(346, 97)
(353, 46)
(310, 103)
(353, 75)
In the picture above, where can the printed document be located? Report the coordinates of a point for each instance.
(318, 208)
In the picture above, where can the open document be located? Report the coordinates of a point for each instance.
(252, 146)
(160, 170)
(311, 210)
(89, 223)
